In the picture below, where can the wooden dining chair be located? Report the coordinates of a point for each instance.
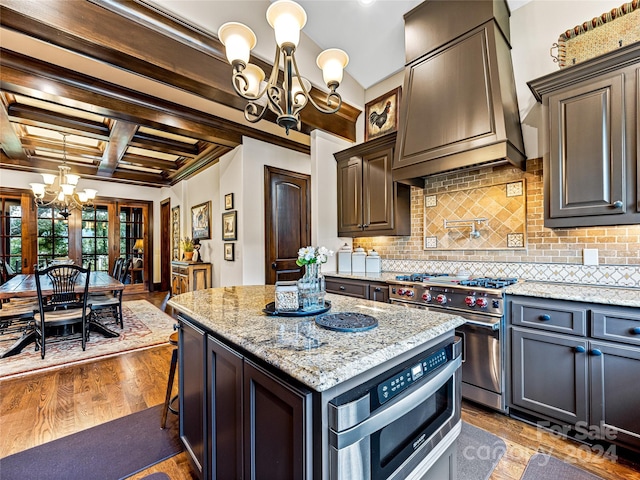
(109, 305)
(65, 305)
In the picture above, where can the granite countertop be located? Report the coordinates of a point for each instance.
(235, 314)
(629, 297)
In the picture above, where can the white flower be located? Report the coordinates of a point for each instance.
(309, 255)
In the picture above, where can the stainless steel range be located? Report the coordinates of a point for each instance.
(481, 302)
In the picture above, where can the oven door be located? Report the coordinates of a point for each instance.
(393, 440)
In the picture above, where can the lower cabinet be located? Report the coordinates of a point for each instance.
(189, 276)
(369, 290)
(242, 421)
(587, 380)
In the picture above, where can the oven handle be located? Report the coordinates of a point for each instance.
(394, 410)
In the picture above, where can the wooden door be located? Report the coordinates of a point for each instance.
(165, 244)
(287, 222)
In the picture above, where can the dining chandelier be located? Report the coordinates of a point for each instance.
(288, 98)
(59, 191)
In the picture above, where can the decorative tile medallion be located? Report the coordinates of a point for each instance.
(514, 189)
(430, 242)
(430, 200)
(515, 240)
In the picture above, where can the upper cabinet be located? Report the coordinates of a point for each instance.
(459, 104)
(369, 202)
(591, 165)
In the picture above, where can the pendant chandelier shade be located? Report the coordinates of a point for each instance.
(287, 98)
(59, 190)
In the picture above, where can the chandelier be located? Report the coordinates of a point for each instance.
(60, 191)
(287, 99)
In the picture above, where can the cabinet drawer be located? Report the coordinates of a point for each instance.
(556, 316)
(616, 325)
(345, 287)
(180, 271)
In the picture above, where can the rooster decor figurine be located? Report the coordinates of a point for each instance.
(379, 119)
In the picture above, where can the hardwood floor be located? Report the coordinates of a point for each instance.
(49, 405)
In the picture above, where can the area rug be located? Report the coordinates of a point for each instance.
(546, 467)
(145, 326)
(113, 450)
(478, 453)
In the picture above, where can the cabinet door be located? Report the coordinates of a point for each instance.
(615, 376)
(225, 375)
(377, 191)
(350, 196)
(192, 381)
(199, 277)
(549, 374)
(277, 427)
(379, 293)
(586, 172)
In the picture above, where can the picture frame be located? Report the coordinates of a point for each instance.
(228, 201)
(229, 251)
(201, 221)
(229, 225)
(381, 114)
(175, 233)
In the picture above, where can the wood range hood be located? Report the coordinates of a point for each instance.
(460, 108)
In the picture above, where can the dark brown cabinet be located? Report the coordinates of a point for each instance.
(237, 419)
(193, 399)
(369, 202)
(368, 290)
(459, 105)
(591, 168)
(577, 364)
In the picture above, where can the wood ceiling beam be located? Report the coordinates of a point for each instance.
(165, 145)
(121, 134)
(149, 162)
(142, 39)
(209, 157)
(38, 117)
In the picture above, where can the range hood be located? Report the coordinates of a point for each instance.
(460, 108)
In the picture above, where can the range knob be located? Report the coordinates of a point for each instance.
(401, 291)
(470, 301)
(441, 299)
(426, 297)
(482, 302)
(409, 293)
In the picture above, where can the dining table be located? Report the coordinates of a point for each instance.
(24, 286)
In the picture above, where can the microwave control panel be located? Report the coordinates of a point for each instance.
(407, 377)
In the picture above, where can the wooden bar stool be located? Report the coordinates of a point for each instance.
(168, 401)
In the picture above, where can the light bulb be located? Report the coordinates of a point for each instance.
(238, 40)
(287, 19)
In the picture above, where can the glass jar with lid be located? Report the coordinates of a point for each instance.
(287, 299)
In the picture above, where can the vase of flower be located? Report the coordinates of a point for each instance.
(311, 287)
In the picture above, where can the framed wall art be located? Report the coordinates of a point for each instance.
(201, 221)
(229, 225)
(175, 233)
(228, 201)
(229, 251)
(381, 114)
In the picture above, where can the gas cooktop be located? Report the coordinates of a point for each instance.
(449, 279)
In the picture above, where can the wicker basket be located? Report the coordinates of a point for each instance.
(611, 30)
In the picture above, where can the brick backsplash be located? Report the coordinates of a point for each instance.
(550, 254)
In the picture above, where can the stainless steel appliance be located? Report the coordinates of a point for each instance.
(481, 302)
(397, 425)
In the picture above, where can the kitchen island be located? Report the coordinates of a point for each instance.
(255, 388)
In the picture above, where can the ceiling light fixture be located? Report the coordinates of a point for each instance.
(286, 100)
(62, 195)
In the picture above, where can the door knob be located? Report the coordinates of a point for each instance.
(274, 265)
(617, 204)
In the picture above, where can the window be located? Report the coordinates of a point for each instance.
(53, 236)
(10, 238)
(95, 238)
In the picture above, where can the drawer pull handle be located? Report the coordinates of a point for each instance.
(580, 349)
(635, 330)
(342, 287)
(378, 289)
(545, 318)
(595, 352)
(618, 204)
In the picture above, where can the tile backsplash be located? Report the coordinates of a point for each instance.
(547, 255)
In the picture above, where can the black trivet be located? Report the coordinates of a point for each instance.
(347, 321)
